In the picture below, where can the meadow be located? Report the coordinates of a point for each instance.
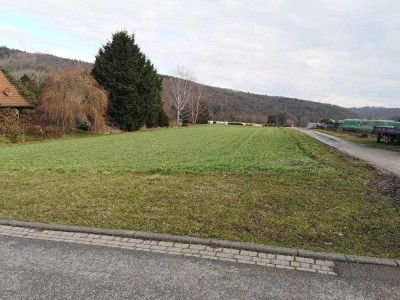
(272, 186)
(197, 149)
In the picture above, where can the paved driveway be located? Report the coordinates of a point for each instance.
(41, 269)
(381, 158)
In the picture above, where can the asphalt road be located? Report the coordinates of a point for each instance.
(40, 269)
(381, 158)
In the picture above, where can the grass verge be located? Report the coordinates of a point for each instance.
(369, 141)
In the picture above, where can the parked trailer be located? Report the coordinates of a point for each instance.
(390, 133)
(364, 125)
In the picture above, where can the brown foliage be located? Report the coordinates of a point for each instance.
(10, 126)
(73, 97)
(35, 124)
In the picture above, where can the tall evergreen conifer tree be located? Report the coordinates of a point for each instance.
(132, 81)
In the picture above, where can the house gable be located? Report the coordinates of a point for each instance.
(9, 96)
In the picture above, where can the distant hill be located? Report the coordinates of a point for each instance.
(225, 104)
(35, 65)
(372, 112)
(242, 106)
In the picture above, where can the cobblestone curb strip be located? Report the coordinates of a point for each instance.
(175, 248)
(288, 258)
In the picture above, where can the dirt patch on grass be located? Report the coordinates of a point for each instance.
(389, 185)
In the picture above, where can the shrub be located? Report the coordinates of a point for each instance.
(37, 125)
(73, 97)
(10, 126)
(163, 120)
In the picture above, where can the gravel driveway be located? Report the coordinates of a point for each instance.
(381, 158)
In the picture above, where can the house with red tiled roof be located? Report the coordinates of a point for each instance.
(9, 96)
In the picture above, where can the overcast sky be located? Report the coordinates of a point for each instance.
(336, 51)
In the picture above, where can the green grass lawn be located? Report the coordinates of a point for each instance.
(265, 185)
(197, 149)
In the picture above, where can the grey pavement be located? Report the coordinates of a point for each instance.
(43, 269)
(381, 158)
(290, 262)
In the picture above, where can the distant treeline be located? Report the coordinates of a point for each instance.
(224, 104)
(247, 107)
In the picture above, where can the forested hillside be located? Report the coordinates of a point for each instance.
(224, 104)
(35, 65)
(371, 112)
(238, 106)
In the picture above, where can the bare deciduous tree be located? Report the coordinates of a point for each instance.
(72, 97)
(185, 95)
(179, 90)
(197, 103)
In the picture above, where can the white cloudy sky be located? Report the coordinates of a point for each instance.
(344, 52)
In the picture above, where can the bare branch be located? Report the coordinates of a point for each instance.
(197, 103)
(72, 97)
(180, 90)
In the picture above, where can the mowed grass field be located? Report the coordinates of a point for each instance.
(271, 186)
(193, 150)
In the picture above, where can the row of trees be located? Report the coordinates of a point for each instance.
(122, 90)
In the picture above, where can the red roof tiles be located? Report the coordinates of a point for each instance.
(9, 96)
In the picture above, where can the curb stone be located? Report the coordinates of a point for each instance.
(254, 247)
(371, 260)
(207, 242)
(322, 255)
(170, 237)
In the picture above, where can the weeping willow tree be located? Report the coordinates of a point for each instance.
(73, 97)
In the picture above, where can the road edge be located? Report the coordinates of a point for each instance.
(207, 242)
